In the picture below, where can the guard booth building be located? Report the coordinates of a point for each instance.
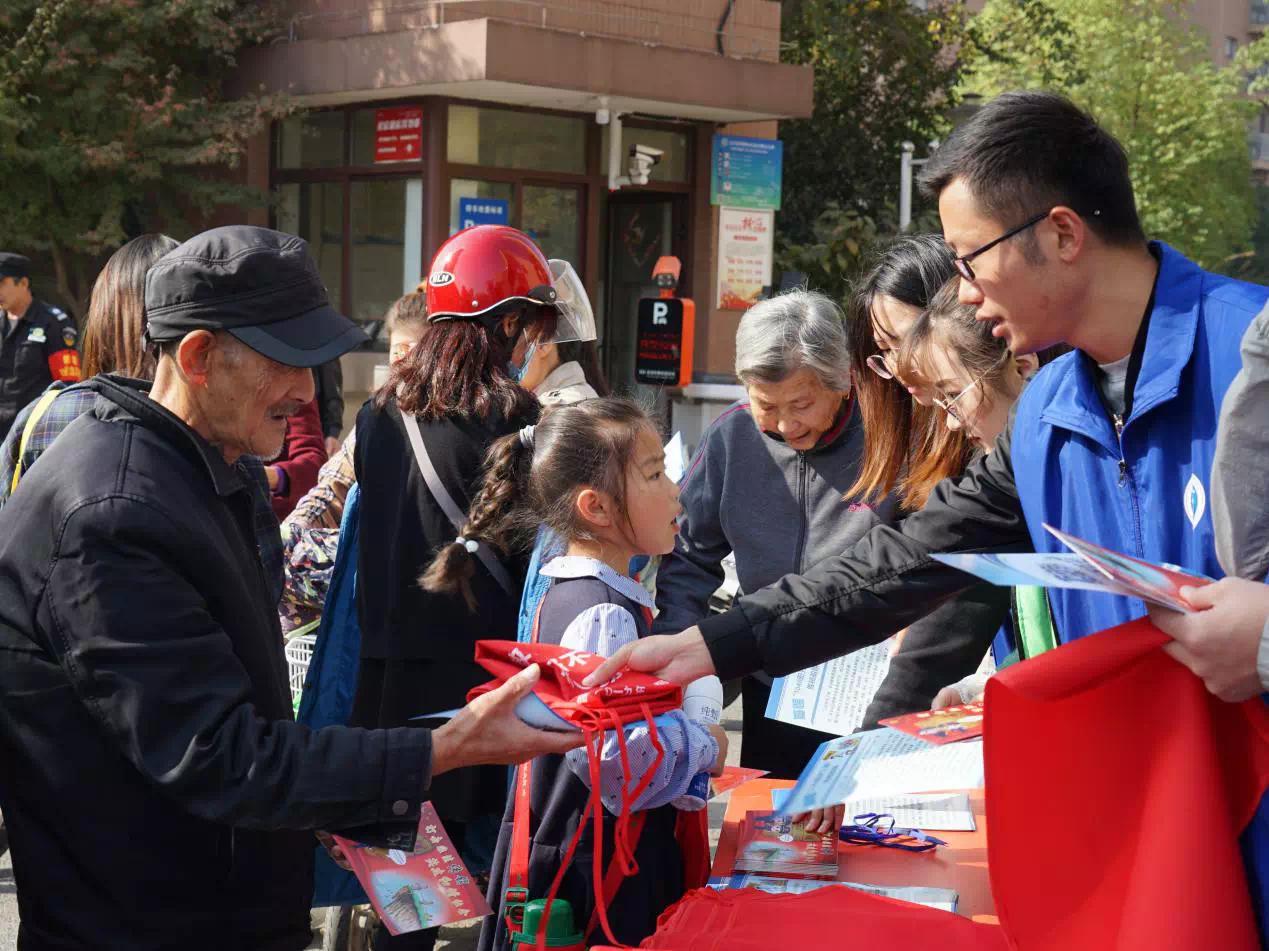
(420, 118)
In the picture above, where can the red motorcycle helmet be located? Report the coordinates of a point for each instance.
(484, 271)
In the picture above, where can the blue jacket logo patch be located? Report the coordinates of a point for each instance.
(1195, 500)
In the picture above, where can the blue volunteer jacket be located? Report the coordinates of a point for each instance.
(1143, 490)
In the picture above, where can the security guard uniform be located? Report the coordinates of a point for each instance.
(35, 350)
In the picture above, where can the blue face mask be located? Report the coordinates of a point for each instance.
(517, 372)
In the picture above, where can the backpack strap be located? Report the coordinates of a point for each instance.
(446, 501)
(41, 407)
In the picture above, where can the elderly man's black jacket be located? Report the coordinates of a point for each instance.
(153, 781)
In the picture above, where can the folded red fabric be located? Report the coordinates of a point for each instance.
(833, 917)
(625, 698)
(1117, 787)
(628, 695)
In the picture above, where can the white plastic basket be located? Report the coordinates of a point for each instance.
(299, 652)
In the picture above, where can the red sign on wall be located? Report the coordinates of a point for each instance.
(399, 134)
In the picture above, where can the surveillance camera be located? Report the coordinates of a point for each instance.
(602, 115)
(642, 158)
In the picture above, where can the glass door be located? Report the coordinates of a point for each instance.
(641, 228)
(385, 236)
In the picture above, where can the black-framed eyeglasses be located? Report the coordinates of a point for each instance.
(962, 262)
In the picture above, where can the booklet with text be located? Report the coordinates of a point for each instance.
(1087, 567)
(425, 888)
(772, 844)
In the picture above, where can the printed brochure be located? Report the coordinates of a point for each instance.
(772, 844)
(949, 725)
(883, 763)
(425, 888)
(1087, 567)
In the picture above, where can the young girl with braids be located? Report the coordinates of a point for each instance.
(595, 474)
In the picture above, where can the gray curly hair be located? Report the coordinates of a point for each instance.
(799, 329)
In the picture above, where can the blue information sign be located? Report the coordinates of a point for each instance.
(483, 211)
(745, 172)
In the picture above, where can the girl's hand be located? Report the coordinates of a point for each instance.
(828, 819)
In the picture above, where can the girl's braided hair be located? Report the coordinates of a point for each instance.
(533, 477)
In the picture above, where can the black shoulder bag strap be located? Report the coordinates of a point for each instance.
(446, 501)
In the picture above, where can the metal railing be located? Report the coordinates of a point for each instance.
(606, 18)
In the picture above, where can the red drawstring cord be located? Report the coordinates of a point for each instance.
(623, 853)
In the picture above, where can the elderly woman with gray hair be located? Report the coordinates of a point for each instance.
(769, 482)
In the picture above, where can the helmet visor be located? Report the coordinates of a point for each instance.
(576, 320)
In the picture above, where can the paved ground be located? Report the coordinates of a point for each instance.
(452, 939)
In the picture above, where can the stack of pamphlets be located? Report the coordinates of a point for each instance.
(772, 844)
(942, 898)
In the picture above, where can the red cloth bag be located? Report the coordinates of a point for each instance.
(626, 698)
(827, 919)
(1117, 787)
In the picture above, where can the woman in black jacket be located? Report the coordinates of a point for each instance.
(488, 296)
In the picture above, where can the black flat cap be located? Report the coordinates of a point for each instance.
(14, 265)
(259, 285)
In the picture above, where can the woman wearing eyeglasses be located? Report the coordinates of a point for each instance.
(973, 381)
(907, 451)
(973, 378)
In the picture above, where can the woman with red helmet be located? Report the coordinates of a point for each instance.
(490, 295)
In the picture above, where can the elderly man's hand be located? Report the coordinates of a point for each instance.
(1220, 642)
(488, 730)
(679, 658)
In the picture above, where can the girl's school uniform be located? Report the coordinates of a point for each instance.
(591, 607)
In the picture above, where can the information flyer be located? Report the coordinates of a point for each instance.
(883, 763)
(833, 696)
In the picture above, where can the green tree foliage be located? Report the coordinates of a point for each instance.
(112, 116)
(885, 72)
(1150, 80)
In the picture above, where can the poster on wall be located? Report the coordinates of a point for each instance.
(746, 172)
(399, 134)
(745, 249)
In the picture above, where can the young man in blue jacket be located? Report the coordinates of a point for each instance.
(1113, 442)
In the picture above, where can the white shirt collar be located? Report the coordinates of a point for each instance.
(566, 374)
(579, 566)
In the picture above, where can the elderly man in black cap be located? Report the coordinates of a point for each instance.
(37, 341)
(158, 792)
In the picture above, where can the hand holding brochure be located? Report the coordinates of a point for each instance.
(1088, 567)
